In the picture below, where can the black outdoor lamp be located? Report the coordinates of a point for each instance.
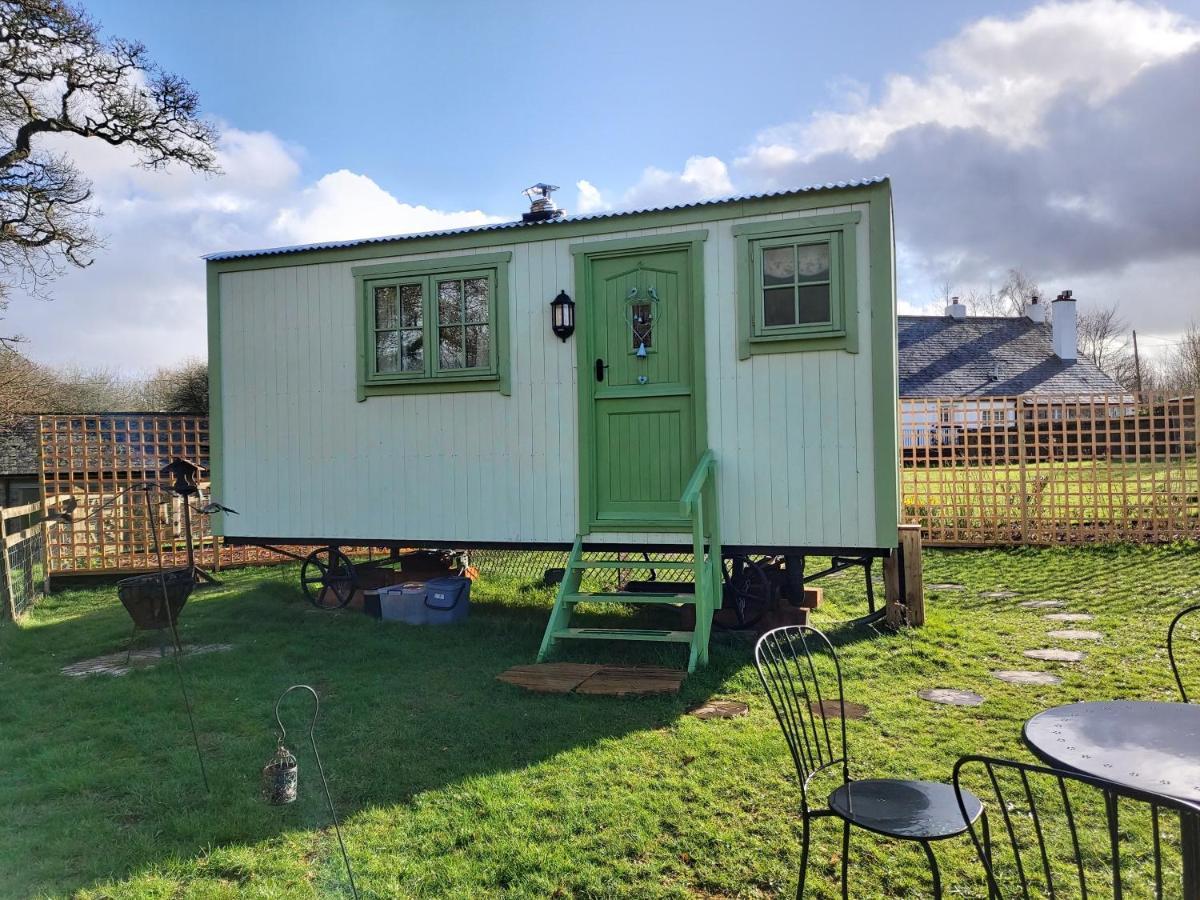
(562, 316)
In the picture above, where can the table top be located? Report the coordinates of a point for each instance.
(1147, 746)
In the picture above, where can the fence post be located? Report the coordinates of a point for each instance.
(6, 570)
(1021, 470)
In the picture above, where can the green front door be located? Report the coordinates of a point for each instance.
(642, 443)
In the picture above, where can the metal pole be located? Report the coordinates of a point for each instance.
(1137, 362)
(162, 580)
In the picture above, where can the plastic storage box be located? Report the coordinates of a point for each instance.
(403, 603)
(447, 600)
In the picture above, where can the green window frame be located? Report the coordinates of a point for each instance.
(433, 326)
(784, 246)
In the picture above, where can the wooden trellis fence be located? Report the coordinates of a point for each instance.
(101, 462)
(22, 558)
(1037, 469)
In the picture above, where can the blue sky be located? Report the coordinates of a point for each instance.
(1055, 137)
(530, 91)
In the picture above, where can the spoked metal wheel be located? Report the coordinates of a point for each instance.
(748, 592)
(328, 578)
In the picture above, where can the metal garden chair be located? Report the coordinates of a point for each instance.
(1059, 834)
(1171, 648)
(921, 811)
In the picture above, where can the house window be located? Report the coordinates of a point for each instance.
(797, 285)
(433, 326)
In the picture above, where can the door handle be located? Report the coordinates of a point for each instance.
(601, 365)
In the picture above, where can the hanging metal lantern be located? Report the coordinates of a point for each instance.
(280, 777)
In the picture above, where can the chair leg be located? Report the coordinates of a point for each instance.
(845, 860)
(803, 859)
(933, 868)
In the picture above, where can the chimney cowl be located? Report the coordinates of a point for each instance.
(541, 207)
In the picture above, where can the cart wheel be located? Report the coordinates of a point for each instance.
(748, 592)
(328, 578)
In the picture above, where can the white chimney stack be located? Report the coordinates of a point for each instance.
(1063, 331)
(956, 310)
(1035, 310)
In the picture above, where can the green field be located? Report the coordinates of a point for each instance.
(451, 784)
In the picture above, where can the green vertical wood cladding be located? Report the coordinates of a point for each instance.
(800, 438)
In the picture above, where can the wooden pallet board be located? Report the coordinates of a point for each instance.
(581, 678)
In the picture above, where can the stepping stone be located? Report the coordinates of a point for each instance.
(114, 663)
(1042, 604)
(1055, 655)
(950, 696)
(998, 595)
(831, 709)
(944, 586)
(1069, 617)
(720, 709)
(1024, 677)
(1075, 634)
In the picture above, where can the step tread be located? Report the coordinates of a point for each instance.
(630, 564)
(628, 597)
(625, 634)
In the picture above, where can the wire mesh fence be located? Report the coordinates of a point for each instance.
(1035, 469)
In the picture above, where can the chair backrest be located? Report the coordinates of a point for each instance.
(1049, 833)
(801, 690)
(1171, 648)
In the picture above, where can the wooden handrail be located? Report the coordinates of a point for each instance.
(696, 483)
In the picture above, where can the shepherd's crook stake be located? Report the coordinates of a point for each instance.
(280, 776)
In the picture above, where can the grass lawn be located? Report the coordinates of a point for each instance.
(451, 784)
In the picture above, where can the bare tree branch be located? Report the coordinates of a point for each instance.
(58, 75)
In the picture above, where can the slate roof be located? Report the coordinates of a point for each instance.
(548, 223)
(989, 356)
(19, 447)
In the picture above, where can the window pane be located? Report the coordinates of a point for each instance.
(814, 303)
(450, 351)
(779, 307)
(385, 307)
(412, 351)
(478, 346)
(410, 305)
(643, 325)
(779, 265)
(476, 290)
(449, 302)
(813, 262)
(387, 346)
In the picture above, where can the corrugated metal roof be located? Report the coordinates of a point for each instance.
(989, 356)
(503, 226)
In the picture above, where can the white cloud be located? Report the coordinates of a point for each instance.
(344, 205)
(589, 199)
(141, 304)
(1001, 76)
(702, 178)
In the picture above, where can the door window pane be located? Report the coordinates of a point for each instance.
(642, 317)
(779, 307)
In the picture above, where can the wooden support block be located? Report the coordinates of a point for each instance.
(914, 577)
(895, 612)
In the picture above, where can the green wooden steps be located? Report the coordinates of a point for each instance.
(699, 506)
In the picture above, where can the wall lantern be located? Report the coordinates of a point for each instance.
(562, 316)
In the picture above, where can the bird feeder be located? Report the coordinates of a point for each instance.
(280, 777)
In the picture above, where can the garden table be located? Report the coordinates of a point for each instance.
(1149, 747)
